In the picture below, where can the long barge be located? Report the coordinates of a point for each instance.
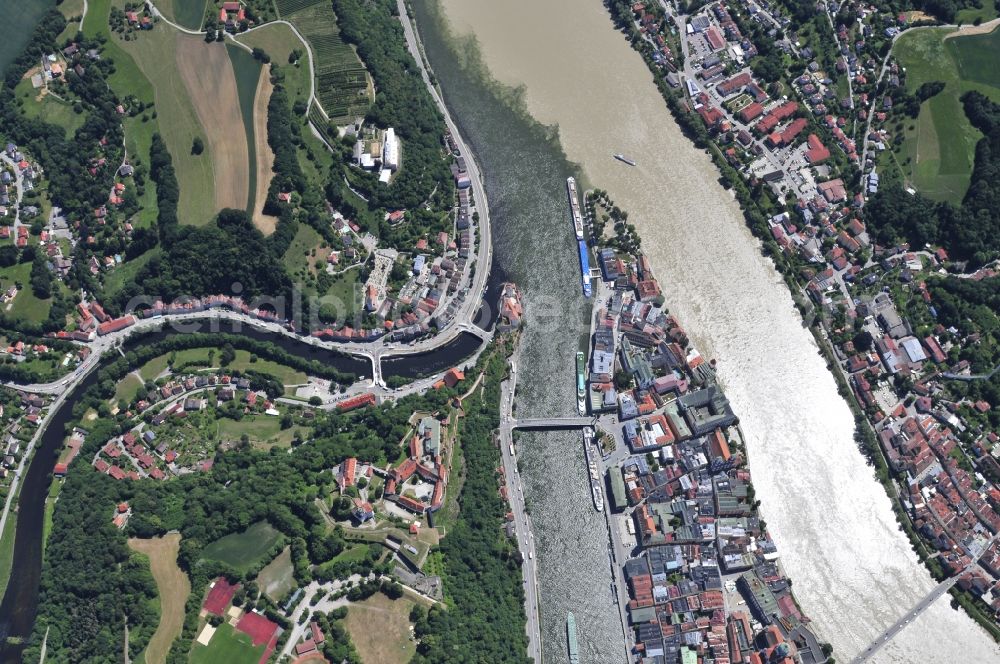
(574, 207)
(585, 268)
(572, 646)
(595, 473)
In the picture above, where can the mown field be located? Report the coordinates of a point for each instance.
(243, 550)
(195, 358)
(173, 587)
(380, 629)
(47, 106)
(276, 579)
(343, 86)
(937, 154)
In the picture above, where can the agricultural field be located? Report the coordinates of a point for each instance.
(276, 579)
(380, 629)
(159, 54)
(210, 79)
(173, 587)
(248, 73)
(186, 13)
(938, 150)
(243, 550)
(343, 86)
(226, 647)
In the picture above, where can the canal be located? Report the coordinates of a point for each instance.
(539, 86)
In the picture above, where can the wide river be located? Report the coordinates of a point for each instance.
(853, 570)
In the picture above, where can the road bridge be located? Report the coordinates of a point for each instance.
(554, 423)
(925, 602)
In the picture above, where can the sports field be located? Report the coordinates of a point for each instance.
(938, 150)
(380, 629)
(243, 550)
(226, 647)
(173, 587)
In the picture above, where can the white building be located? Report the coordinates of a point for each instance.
(390, 150)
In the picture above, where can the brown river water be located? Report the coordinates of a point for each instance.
(853, 570)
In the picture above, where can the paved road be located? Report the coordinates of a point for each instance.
(522, 522)
(484, 259)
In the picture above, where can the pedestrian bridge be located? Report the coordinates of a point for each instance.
(554, 423)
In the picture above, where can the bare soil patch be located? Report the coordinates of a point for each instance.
(981, 29)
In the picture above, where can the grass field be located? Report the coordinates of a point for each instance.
(278, 41)
(248, 72)
(126, 273)
(25, 305)
(127, 388)
(937, 154)
(186, 13)
(243, 550)
(6, 553)
(299, 258)
(173, 587)
(276, 579)
(262, 430)
(985, 13)
(150, 370)
(199, 357)
(48, 107)
(380, 629)
(226, 647)
(343, 86)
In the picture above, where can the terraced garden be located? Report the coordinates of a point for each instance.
(343, 86)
